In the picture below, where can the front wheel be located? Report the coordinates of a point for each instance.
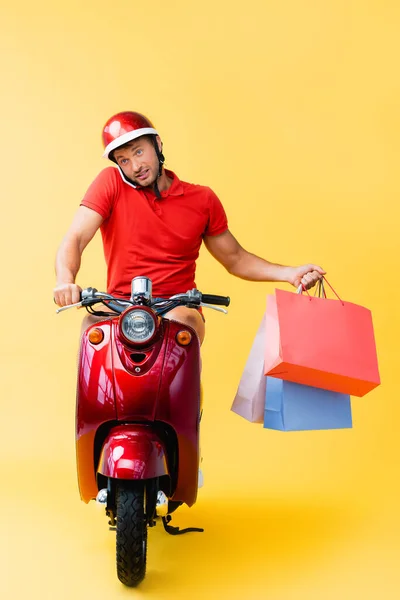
(131, 532)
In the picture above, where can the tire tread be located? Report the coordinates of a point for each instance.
(131, 546)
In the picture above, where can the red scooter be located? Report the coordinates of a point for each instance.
(138, 414)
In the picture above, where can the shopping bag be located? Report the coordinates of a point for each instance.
(325, 343)
(249, 401)
(295, 407)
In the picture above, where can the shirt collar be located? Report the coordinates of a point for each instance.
(176, 187)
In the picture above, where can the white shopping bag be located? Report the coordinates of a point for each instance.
(249, 401)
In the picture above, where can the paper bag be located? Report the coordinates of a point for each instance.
(249, 401)
(320, 342)
(295, 407)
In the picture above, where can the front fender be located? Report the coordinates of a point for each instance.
(133, 452)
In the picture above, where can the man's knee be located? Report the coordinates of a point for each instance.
(88, 321)
(190, 317)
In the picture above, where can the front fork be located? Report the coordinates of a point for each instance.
(107, 497)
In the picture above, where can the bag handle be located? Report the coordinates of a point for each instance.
(320, 289)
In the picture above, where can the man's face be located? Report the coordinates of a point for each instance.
(138, 160)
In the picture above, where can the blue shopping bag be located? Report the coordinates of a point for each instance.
(295, 407)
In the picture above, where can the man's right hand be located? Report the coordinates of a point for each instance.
(67, 293)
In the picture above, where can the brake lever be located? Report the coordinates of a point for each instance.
(214, 307)
(77, 304)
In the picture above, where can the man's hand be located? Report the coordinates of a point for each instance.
(306, 275)
(67, 293)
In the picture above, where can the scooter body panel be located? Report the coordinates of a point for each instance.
(164, 387)
(137, 384)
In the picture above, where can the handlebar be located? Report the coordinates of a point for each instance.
(193, 299)
(218, 300)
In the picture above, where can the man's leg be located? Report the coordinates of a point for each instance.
(89, 320)
(188, 316)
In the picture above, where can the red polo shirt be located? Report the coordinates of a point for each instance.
(159, 238)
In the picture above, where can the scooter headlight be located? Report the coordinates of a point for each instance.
(138, 325)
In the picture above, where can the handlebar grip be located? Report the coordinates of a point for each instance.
(217, 300)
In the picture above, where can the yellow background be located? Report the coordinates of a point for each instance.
(290, 112)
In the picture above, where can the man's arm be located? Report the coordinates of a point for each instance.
(68, 260)
(237, 261)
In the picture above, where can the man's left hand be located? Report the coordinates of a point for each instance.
(306, 275)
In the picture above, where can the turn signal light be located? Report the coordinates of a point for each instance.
(96, 335)
(184, 338)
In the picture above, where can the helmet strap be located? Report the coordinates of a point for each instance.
(161, 161)
(160, 155)
(156, 190)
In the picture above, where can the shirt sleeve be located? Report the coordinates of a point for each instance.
(101, 193)
(217, 221)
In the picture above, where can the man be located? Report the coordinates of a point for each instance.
(153, 224)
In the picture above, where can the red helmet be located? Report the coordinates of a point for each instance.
(123, 128)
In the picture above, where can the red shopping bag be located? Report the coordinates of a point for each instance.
(321, 342)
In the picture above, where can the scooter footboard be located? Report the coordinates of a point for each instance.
(133, 452)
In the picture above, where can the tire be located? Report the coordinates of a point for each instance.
(131, 533)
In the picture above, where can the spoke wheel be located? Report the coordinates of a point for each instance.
(131, 532)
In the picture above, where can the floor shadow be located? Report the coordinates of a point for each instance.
(261, 543)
